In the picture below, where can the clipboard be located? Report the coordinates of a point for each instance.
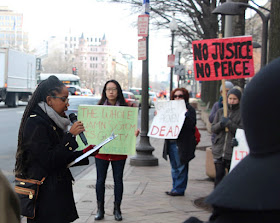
(97, 147)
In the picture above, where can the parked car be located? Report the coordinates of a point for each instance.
(74, 90)
(75, 101)
(86, 92)
(137, 93)
(130, 99)
(152, 98)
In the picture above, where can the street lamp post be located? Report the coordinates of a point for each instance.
(179, 50)
(173, 27)
(235, 8)
(144, 150)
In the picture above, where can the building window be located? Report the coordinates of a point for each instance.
(74, 38)
(65, 45)
(81, 58)
(71, 38)
(65, 38)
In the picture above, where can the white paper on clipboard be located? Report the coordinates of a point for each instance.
(110, 138)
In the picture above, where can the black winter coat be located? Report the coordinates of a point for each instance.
(49, 150)
(186, 140)
(222, 215)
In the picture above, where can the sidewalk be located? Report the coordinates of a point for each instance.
(144, 198)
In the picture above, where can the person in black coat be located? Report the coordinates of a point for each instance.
(45, 148)
(181, 150)
(250, 192)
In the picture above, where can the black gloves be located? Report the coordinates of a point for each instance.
(225, 122)
(234, 142)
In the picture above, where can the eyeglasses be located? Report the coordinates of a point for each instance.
(178, 96)
(64, 99)
(111, 89)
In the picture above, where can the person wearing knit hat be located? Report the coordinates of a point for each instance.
(218, 104)
(228, 84)
(250, 192)
(225, 128)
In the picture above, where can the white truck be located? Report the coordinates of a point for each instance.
(17, 76)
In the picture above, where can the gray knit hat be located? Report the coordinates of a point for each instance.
(228, 84)
(236, 92)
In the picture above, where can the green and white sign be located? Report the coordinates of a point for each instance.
(100, 121)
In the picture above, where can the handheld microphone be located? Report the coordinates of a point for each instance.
(73, 119)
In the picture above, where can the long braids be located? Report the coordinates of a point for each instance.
(48, 87)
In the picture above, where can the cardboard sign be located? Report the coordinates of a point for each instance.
(169, 120)
(228, 58)
(100, 121)
(240, 151)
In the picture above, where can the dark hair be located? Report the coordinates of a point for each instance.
(48, 87)
(120, 97)
(185, 94)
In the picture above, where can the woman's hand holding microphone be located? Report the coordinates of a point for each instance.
(78, 128)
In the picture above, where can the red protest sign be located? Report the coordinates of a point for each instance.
(227, 58)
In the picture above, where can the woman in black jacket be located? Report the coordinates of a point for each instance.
(45, 148)
(181, 150)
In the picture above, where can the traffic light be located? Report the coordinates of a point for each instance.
(189, 73)
(189, 82)
(74, 70)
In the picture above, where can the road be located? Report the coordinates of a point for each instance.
(10, 120)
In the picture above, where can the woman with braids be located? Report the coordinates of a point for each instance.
(44, 150)
(111, 96)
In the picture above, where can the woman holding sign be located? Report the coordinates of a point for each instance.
(111, 96)
(222, 149)
(45, 148)
(181, 150)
